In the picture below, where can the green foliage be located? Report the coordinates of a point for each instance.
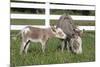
(53, 54)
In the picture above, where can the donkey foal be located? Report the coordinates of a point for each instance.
(34, 34)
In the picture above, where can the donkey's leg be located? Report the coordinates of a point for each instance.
(24, 41)
(22, 47)
(27, 46)
(72, 45)
(62, 45)
(68, 46)
(43, 46)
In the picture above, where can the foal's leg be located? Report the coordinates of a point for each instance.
(22, 47)
(43, 43)
(43, 46)
(24, 41)
(27, 46)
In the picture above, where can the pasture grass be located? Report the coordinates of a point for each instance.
(52, 22)
(53, 54)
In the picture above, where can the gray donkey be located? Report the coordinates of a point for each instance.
(73, 40)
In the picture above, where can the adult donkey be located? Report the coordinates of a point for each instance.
(73, 40)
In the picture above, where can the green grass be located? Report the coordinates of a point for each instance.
(53, 54)
(42, 22)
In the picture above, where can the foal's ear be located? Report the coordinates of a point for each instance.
(53, 28)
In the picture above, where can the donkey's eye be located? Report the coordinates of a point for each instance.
(60, 33)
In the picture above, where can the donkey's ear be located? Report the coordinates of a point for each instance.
(53, 28)
(78, 31)
(81, 32)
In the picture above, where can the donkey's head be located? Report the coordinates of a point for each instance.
(76, 44)
(58, 32)
(76, 41)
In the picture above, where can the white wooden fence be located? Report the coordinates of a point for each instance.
(49, 4)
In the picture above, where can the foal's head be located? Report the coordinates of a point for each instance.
(58, 32)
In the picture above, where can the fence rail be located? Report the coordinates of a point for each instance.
(53, 17)
(52, 6)
(79, 2)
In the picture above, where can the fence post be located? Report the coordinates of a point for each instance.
(47, 14)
